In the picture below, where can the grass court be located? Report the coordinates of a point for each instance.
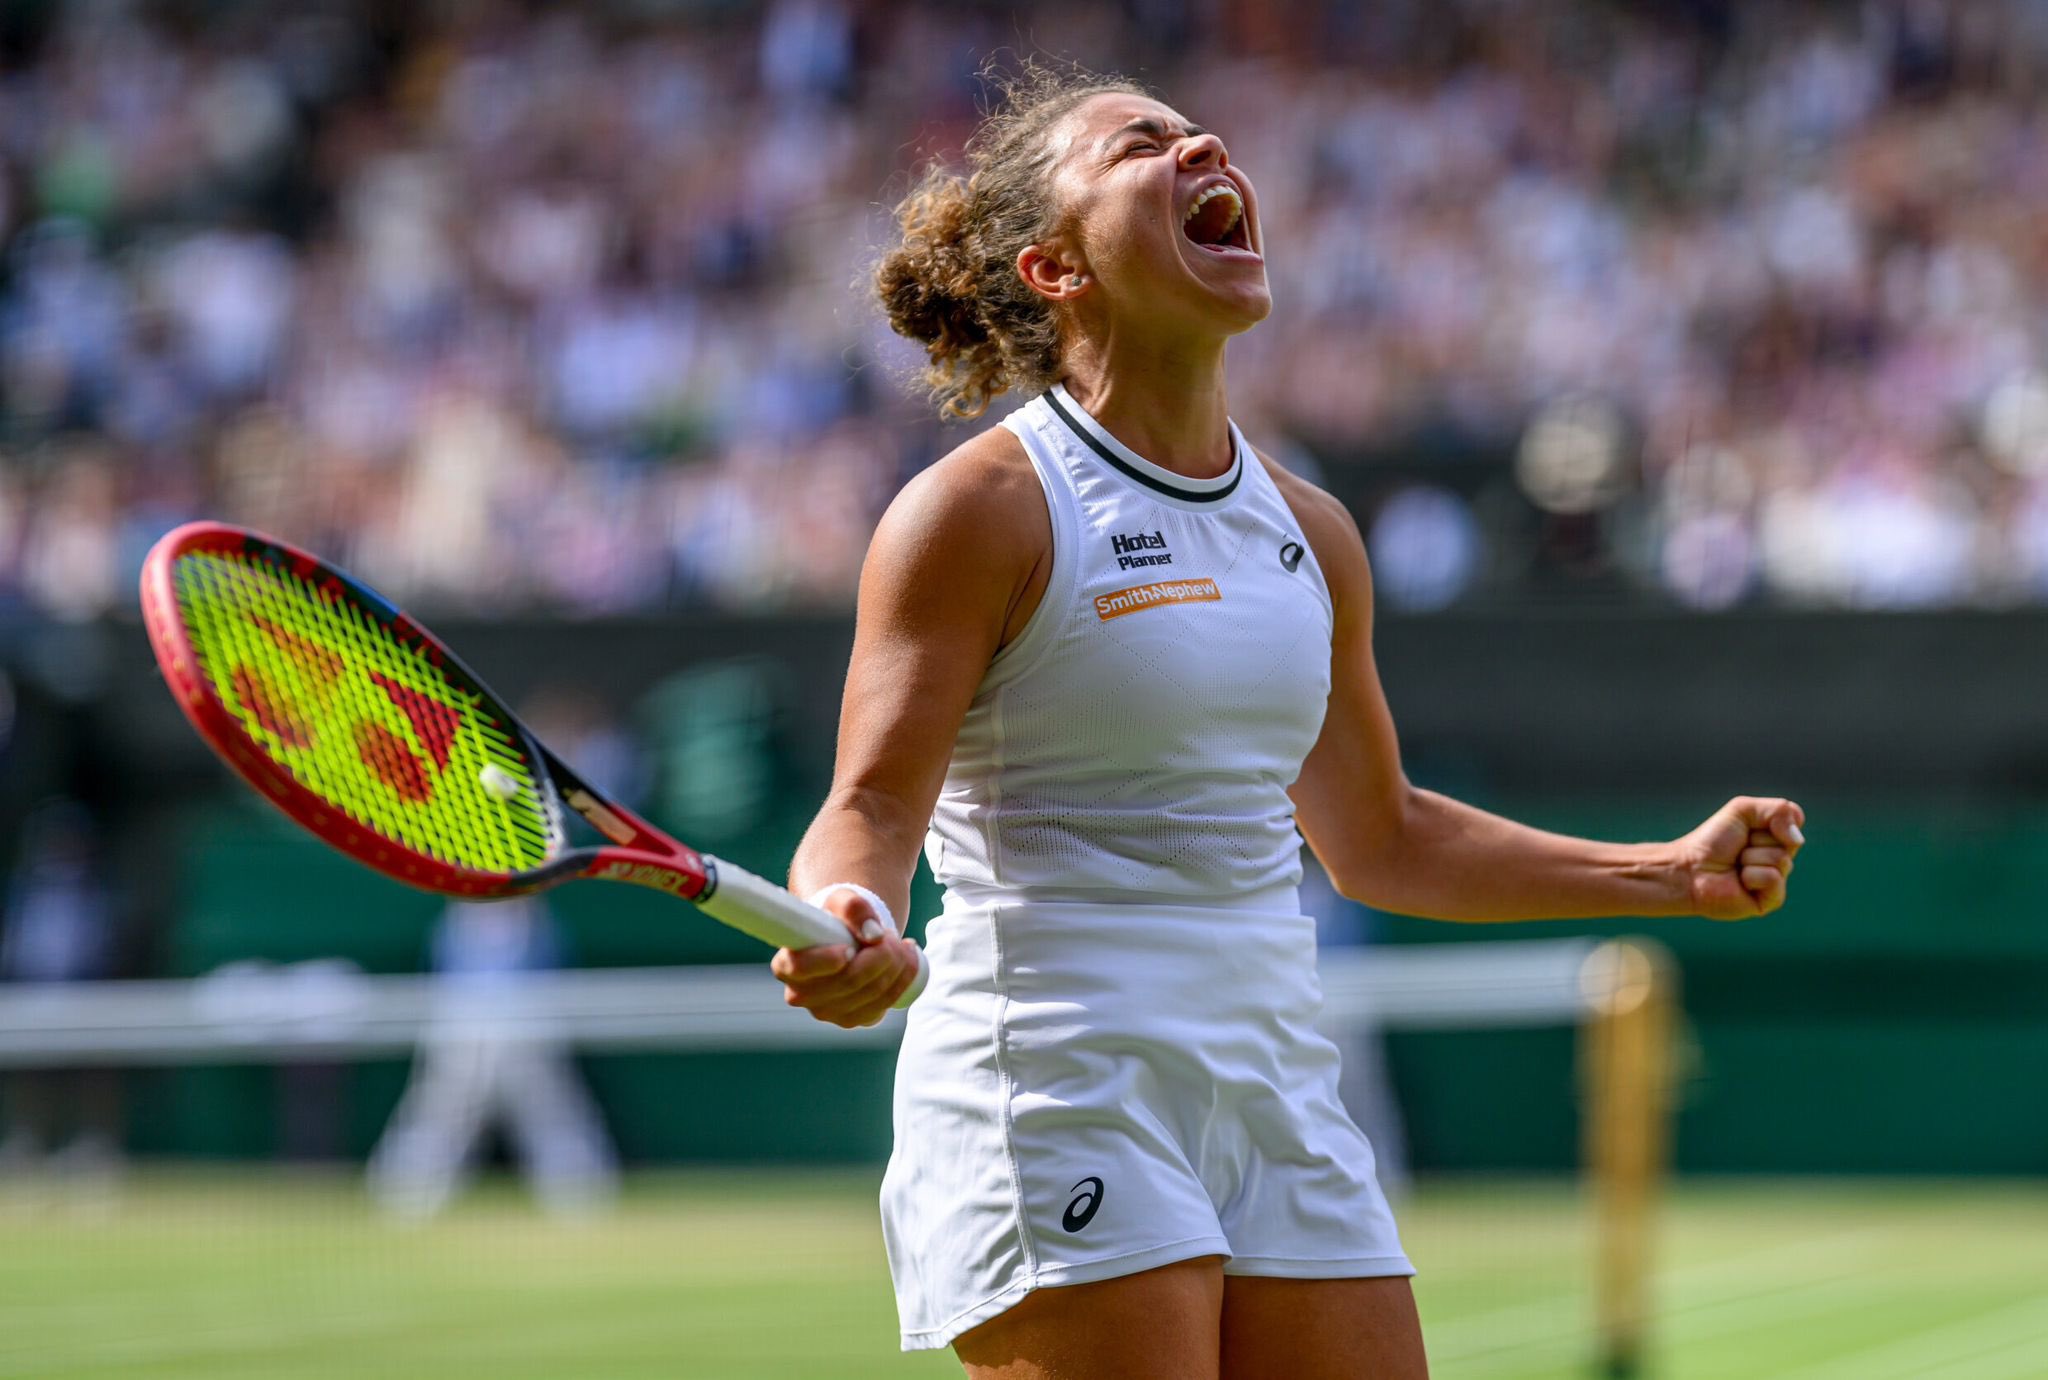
(234, 1275)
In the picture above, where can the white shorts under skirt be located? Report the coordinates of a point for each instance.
(1089, 1091)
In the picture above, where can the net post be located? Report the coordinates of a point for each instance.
(1631, 993)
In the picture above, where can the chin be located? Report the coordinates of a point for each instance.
(1231, 303)
(1237, 310)
(1256, 307)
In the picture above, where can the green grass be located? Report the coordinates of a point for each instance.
(729, 1276)
(1782, 1280)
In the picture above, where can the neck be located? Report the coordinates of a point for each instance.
(1166, 402)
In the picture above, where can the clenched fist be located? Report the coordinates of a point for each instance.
(1737, 863)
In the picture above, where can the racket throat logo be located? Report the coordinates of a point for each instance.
(649, 875)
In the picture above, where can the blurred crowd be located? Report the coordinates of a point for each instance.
(523, 306)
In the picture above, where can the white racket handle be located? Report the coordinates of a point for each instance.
(753, 905)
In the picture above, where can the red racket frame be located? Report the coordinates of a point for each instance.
(638, 853)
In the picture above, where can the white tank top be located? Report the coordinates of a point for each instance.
(1137, 740)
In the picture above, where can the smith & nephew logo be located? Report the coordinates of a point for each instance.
(1119, 602)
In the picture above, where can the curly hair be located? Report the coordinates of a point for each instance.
(951, 282)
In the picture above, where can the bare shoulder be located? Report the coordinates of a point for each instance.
(972, 525)
(976, 492)
(1330, 531)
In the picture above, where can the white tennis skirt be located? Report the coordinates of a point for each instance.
(1088, 1091)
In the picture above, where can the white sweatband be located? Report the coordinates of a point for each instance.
(817, 898)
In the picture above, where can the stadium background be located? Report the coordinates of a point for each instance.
(1683, 362)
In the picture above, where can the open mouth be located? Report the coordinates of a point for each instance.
(1216, 220)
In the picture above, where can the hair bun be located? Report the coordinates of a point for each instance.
(951, 282)
(928, 282)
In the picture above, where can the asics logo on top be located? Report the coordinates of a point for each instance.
(1131, 551)
(1291, 554)
(1081, 1211)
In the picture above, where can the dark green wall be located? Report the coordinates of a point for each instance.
(1891, 1019)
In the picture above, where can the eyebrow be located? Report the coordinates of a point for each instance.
(1145, 124)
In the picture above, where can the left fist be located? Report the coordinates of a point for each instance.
(1737, 863)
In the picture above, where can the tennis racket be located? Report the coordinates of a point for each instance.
(363, 728)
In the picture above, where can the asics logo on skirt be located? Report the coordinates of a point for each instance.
(1081, 1211)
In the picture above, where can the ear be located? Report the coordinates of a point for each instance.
(1051, 273)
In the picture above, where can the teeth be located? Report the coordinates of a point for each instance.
(1219, 189)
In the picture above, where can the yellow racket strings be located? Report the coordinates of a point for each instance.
(361, 719)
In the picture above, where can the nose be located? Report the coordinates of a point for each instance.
(1203, 151)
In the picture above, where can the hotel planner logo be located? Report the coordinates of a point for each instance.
(1140, 548)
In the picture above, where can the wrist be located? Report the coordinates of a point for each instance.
(1664, 877)
(880, 907)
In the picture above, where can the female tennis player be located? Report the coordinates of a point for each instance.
(1109, 659)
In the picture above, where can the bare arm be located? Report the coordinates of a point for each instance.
(1400, 848)
(953, 573)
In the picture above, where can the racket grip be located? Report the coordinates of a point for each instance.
(753, 905)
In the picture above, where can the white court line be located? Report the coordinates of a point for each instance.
(1509, 1330)
(2026, 1359)
(238, 1339)
(1761, 1306)
(1945, 1346)
(1739, 1313)
(1777, 1299)
(187, 1344)
(1693, 1288)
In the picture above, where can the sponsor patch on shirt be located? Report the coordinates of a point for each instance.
(1140, 548)
(1119, 602)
